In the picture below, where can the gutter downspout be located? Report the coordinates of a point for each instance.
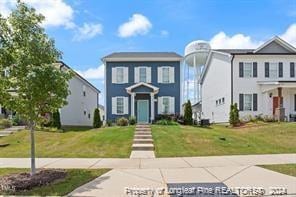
(232, 78)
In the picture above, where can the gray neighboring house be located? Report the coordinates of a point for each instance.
(142, 84)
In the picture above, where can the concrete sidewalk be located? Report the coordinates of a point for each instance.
(146, 163)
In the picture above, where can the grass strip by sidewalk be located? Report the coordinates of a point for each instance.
(288, 169)
(74, 179)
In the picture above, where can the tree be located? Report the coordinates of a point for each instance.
(35, 85)
(234, 115)
(231, 115)
(56, 120)
(188, 113)
(97, 123)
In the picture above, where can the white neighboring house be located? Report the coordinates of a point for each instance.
(82, 101)
(255, 79)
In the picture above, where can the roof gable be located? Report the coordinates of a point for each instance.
(275, 45)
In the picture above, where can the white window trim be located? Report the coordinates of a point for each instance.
(122, 97)
(251, 69)
(119, 82)
(277, 70)
(245, 101)
(139, 70)
(169, 77)
(169, 103)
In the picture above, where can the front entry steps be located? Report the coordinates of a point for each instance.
(143, 143)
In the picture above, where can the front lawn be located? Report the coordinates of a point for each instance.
(177, 141)
(91, 143)
(289, 169)
(74, 179)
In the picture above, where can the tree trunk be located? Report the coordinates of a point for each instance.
(32, 130)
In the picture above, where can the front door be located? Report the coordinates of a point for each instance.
(276, 103)
(142, 111)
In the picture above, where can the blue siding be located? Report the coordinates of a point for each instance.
(113, 90)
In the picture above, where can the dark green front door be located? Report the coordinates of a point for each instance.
(143, 111)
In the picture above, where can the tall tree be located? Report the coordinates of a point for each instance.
(188, 120)
(35, 85)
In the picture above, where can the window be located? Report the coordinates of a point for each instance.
(84, 112)
(166, 105)
(143, 75)
(273, 70)
(166, 75)
(88, 116)
(119, 74)
(247, 102)
(84, 92)
(223, 100)
(120, 105)
(248, 67)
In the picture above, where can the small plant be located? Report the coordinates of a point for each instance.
(56, 120)
(234, 115)
(132, 120)
(188, 113)
(122, 122)
(97, 123)
(5, 123)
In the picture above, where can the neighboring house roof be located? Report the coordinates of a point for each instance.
(79, 76)
(236, 51)
(143, 56)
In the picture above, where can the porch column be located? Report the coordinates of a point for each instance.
(133, 104)
(152, 106)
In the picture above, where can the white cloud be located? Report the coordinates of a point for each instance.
(88, 31)
(164, 33)
(237, 41)
(56, 12)
(137, 25)
(93, 73)
(290, 35)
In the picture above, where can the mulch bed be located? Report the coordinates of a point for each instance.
(24, 181)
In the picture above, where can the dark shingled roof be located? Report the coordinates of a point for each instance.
(143, 55)
(236, 51)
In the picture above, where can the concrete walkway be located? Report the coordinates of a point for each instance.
(11, 130)
(130, 176)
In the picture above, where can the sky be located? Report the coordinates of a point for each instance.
(87, 30)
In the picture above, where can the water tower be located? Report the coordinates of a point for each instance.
(195, 57)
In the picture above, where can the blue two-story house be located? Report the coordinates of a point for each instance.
(142, 85)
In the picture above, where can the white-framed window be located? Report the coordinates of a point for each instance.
(120, 105)
(143, 74)
(120, 74)
(273, 70)
(83, 90)
(248, 69)
(165, 74)
(248, 102)
(166, 105)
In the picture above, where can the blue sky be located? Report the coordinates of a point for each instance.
(87, 30)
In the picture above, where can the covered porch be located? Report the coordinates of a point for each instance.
(142, 99)
(279, 99)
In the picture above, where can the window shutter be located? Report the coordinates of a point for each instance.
(292, 69)
(172, 74)
(159, 74)
(267, 69)
(172, 105)
(295, 102)
(125, 72)
(159, 105)
(114, 105)
(114, 74)
(125, 100)
(136, 70)
(148, 74)
(241, 69)
(241, 102)
(255, 102)
(255, 69)
(280, 69)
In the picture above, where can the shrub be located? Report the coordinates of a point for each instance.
(17, 120)
(109, 123)
(268, 118)
(132, 120)
(188, 113)
(97, 123)
(166, 122)
(56, 120)
(122, 122)
(5, 123)
(234, 115)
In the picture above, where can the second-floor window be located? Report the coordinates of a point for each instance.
(119, 75)
(292, 69)
(165, 75)
(247, 69)
(143, 74)
(273, 70)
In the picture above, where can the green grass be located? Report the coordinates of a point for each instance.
(74, 179)
(288, 169)
(91, 143)
(260, 138)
